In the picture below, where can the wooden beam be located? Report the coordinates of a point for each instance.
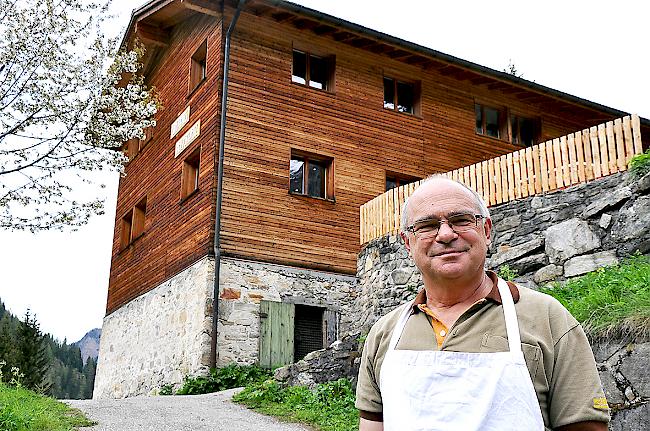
(416, 60)
(324, 29)
(302, 24)
(201, 6)
(343, 36)
(479, 80)
(360, 42)
(282, 16)
(451, 70)
(498, 86)
(399, 53)
(150, 35)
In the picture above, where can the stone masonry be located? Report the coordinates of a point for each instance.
(244, 284)
(164, 335)
(158, 338)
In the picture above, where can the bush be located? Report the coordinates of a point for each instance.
(640, 164)
(219, 379)
(328, 407)
(507, 273)
(610, 301)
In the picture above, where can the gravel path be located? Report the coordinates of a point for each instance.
(213, 412)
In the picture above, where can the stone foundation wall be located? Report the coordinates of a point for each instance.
(244, 284)
(158, 338)
(164, 335)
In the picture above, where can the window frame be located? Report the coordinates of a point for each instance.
(328, 177)
(417, 92)
(132, 147)
(400, 179)
(536, 121)
(133, 223)
(198, 67)
(503, 120)
(330, 68)
(190, 174)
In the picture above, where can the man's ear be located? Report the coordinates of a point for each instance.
(487, 227)
(405, 238)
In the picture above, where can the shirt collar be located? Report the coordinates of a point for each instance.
(493, 295)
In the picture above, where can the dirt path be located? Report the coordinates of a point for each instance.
(213, 412)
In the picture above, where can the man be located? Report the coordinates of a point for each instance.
(452, 359)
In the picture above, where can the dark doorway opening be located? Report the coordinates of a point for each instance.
(308, 330)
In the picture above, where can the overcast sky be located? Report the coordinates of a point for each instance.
(596, 50)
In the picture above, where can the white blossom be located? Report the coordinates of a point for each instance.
(62, 113)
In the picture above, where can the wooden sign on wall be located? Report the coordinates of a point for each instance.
(188, 138)
(181, 121)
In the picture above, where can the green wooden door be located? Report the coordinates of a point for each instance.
(276, 333)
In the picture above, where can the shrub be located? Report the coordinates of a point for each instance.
(640, 164)
(219, 379)
(507, 273)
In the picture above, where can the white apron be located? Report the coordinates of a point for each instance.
(459, 391)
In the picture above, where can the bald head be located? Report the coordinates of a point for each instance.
(430, 184)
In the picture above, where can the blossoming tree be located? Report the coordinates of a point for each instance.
(67, 103)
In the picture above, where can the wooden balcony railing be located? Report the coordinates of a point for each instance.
(572, 159)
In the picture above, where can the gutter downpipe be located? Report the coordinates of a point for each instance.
(217, 221)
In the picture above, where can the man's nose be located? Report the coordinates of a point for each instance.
(446, 233)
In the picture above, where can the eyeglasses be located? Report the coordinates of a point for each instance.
(426, 229)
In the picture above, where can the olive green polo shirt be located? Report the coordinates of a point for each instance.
(557, 352)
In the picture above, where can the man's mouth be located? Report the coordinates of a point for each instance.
(446, 252)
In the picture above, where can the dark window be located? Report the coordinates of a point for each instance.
(396, 180)
(311, 175)
(198, 67)
(313, 71)
(133, 223)
(489, 121)
(190, 173)
(524, 131)
(492, 122)
(399, 96)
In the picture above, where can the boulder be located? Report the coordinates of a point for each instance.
(583, 264)
(608, 200)
(569, 238)
(507, 254)
(548, 273)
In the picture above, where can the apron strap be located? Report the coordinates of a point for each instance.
(512, 325)
(401, 323)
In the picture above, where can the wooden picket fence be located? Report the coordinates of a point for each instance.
(572, 159)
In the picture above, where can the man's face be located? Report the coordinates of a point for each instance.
(447, 255)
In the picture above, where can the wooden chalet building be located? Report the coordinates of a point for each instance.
(322, 116)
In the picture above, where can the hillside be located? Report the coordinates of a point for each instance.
(89, 345)
(69, 376)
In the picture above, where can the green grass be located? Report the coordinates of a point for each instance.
(612, 301)
(328, 407)
(23, 410)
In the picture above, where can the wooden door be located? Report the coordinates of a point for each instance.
(276, 333)
(330, 327)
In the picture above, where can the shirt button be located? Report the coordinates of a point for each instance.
(443, 332)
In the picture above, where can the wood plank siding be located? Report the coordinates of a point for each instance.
(177, 233)
(268, 117)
